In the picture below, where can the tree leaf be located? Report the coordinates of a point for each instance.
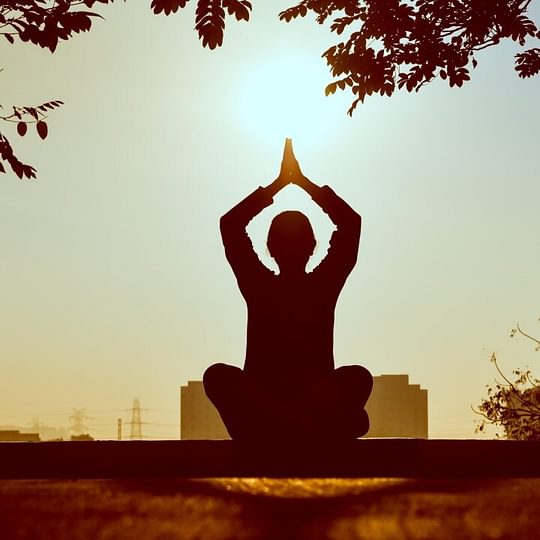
(330, 88)
(167, 6)
(42, 129)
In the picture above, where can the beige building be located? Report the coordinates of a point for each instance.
(199, 419)
(14, 435)
(395, 408)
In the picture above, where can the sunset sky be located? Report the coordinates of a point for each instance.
(114, 284)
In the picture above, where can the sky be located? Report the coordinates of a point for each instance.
(114, 284)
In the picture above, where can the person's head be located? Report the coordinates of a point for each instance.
(291, 240)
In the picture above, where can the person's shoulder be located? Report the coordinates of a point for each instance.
(259, 278)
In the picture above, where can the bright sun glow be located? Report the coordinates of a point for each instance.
(284, 97)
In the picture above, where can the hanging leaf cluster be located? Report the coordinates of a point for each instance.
(209, 16)
(394, 44)
(24, 117)
(46, 22)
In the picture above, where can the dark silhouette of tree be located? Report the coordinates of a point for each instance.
(515, 406)
(23, 116)
(393, 44)
(47, 22)
(387, 44)
(402, 44)
(43, 23)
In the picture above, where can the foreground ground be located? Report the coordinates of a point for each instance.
(245, 508)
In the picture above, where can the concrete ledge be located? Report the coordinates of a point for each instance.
(191, 459)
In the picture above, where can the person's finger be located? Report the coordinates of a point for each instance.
(287, 148)
(288, 145)
(290, 151)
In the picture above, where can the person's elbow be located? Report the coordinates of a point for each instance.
(355, 220)
(349, 221)
(230, 227)
(226, 222)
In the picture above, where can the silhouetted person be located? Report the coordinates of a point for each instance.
(289, 386)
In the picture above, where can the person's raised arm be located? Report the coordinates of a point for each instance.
(238, 247)
(345, 241)
(337, 209)
(241, 214)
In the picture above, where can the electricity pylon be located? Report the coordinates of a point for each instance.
(78, 422)
(136, 422)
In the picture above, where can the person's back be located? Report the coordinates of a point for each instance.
(290, 318)
(290, 330)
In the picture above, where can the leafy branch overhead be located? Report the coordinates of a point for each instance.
(393, 44)
(23, 117)
(43, 23)
(385, 45)
(47, 22)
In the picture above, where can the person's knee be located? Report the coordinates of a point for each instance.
(365, 379)
(362, 426)
(213, 378)
(358, 376)
(211, 375)
(220, 377)
(355, 383)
